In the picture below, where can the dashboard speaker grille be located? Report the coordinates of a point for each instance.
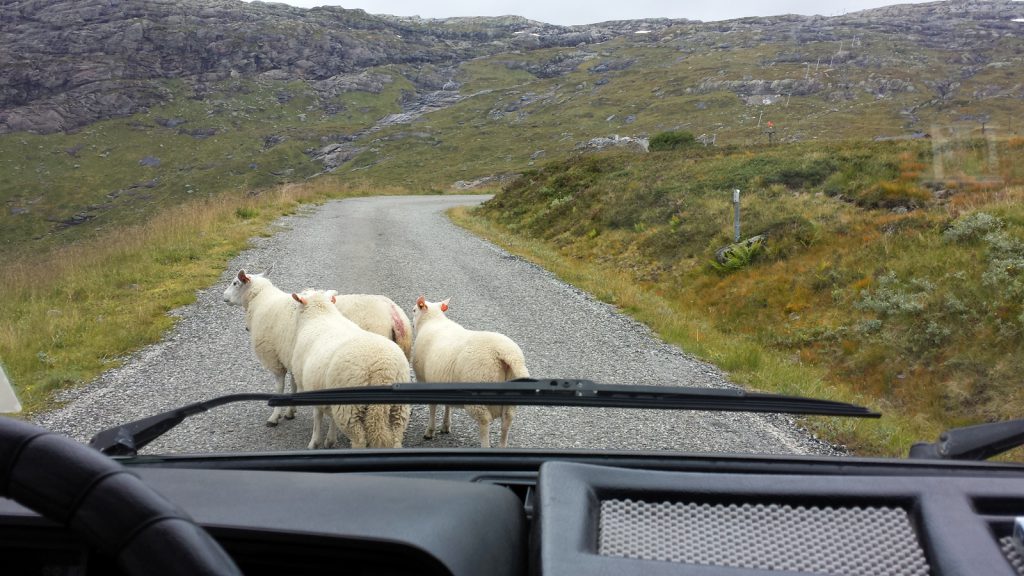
(851, 540)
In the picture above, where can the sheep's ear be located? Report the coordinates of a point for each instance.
(334, 299)
(299, 299)
(421, 303)
(242, 277)
(444, 304)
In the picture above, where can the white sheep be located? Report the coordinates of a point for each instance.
(270, 320)
(331, 351)
(444, 351)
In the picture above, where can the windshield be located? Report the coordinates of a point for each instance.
(825, 206)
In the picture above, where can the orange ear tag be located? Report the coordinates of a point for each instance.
(444, 307)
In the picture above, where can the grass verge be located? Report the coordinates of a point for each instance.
(75, 311)
(747, 362)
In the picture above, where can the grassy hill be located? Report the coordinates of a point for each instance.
(891, 73)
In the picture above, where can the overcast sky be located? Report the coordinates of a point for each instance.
(567, 12)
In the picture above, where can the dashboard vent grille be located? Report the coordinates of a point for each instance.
(1014, 557)
(826, 540)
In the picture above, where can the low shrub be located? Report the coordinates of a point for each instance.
(672, 140)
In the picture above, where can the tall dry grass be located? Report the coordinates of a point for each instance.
(69, 313)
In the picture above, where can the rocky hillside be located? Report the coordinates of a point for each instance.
(113, 109)
(67, 63)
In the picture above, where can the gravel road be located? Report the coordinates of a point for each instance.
(404, 247)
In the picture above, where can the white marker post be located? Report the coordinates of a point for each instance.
(736, 215)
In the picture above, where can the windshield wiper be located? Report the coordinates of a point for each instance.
(979, 442)
(128, 439)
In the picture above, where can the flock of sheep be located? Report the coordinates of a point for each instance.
(330, 340)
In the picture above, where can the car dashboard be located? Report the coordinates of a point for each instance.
(512, 512)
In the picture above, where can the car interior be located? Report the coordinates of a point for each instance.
(71, 510)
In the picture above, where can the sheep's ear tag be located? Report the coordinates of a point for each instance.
(444, 307)
(334, 300)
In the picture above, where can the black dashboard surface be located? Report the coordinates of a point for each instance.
(480, 513)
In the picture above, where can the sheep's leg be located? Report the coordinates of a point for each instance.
(276, 415)
(506, 423)
(318, 414)
(485, 434)
(446, 426)
(289, 412)
(483, 417)
(332, 434)
(430, 422)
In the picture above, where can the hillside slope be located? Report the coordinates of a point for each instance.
(111, 111)
(899, 290)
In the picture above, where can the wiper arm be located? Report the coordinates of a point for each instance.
(979, 442)
(127, 439)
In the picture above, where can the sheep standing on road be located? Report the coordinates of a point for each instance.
(270, 320)
(444, 351)
(331, 351)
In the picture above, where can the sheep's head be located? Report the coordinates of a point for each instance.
(426, 309)
(236, 290)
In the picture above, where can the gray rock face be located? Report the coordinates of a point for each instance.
(67, 63)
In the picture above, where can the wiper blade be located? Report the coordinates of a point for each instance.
(127, 439)
(979, 442)
(525, 391)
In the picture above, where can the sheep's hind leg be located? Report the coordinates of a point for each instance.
(506, 423)
(446, 426)
(275, 417)
(431, 420)
(332, 434)
(289, 412)
(482, 415)
(485, 434)
(318, 414)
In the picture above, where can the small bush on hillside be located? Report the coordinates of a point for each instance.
(893, 194)
(246, 212)
(672, 141)
(805, 174)
(788, 235)
(893, 298)
(972, 227)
